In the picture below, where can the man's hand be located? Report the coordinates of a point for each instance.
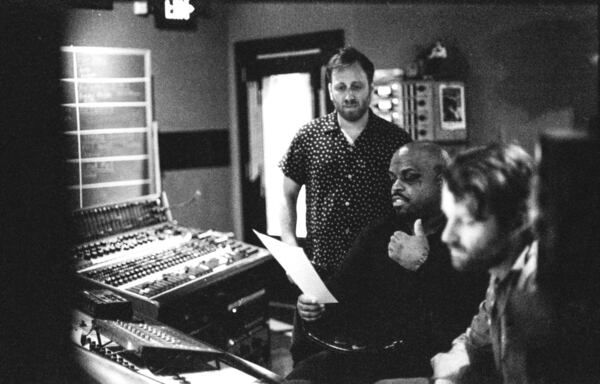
(449, 367)
(409, 251)
(308, 308)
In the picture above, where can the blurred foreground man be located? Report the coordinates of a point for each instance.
(485, 198)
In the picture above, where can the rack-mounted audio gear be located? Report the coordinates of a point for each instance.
(137, 352)
(157, 344)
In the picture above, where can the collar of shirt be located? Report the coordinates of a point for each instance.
(524, 265)
(332, 124)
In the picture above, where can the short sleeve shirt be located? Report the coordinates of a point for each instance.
(347, 185)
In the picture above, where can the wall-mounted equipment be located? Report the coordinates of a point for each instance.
(426, 109)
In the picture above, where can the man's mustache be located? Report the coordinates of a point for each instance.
(457, 247)
(398, 194)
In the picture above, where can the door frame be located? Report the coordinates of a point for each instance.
(248, 66)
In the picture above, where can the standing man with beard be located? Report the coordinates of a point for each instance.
(342, 159)
(399, 297)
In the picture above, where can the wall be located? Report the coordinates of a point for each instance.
(498, 45)
(525, 70)
(526, 66)
(190, 94)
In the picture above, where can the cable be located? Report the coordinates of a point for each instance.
(195, 197)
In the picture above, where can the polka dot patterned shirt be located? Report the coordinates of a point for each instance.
(347, 185)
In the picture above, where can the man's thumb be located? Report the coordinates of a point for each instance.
(419, 228)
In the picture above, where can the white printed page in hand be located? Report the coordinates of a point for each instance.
(298, 267)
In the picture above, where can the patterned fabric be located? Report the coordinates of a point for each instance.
(347, 185)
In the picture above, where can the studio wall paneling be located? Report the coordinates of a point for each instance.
(111, 142)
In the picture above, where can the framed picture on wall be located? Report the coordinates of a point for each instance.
(452, 111)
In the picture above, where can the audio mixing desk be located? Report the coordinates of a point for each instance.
(204, 283)
(136, 250)
(139, 352)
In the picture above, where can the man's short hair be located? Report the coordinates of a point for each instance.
(440, 157)
(498, 179)
(348, 56)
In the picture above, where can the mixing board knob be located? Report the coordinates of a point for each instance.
(237, 256)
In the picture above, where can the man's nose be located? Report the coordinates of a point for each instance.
(448, 235)
(350, 95)
(398, 185)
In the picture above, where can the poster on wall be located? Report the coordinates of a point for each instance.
(452, 98)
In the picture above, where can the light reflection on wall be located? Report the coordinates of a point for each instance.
(287, 104)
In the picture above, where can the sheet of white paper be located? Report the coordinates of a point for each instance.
(297, 265)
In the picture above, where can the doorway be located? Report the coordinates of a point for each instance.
(280, 84)
(285, 103)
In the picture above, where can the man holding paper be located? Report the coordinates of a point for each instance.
(341, 159)
(400, 300)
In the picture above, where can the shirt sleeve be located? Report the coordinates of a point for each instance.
(472, 349)
(294, 163)
(451, 314)
(476, 339)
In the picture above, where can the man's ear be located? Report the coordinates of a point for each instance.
(330, 90)
(439, 180)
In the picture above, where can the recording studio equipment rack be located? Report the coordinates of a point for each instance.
(421, 107)
(138, 251)
(158, 345)
(104, 304)
(140, 352)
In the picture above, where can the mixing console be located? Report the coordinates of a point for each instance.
(164, 270)
(131, 243)
(135, 352)
(143, 339)
(180, 263)
(123, 272)
(94, 223)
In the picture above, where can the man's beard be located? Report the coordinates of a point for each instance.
(481, 263)
(404, 214)
(423, 211)
(354, 114)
